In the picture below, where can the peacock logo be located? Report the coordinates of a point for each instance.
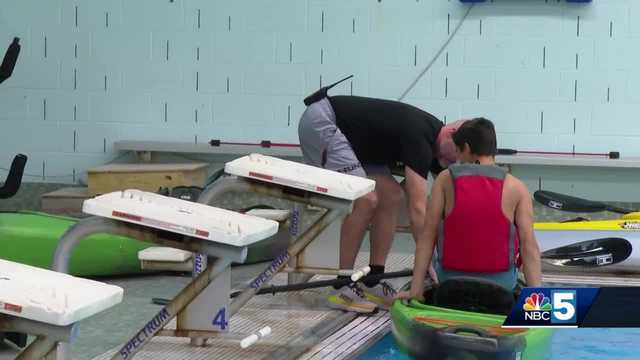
(537, 302)
(537, 307)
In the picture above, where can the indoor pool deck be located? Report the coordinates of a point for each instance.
(303, 327)
(299, 321)
(302, 324)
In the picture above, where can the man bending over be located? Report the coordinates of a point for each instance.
(367, 137)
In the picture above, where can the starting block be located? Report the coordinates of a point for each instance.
(300, 176)
(322, 254)
(217, 237)
(181, 217)
(49, 305)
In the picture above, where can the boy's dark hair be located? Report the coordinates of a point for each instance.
(480, 134)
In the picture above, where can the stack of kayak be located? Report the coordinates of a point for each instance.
(603, 246)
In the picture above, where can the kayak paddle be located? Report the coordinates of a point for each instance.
(274, 289)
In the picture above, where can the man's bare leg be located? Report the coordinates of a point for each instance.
(390, 199)
(354, 227)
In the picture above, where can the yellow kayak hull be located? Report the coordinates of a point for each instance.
(604, 246)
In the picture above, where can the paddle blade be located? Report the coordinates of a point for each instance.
(567, 203)
(589, 254)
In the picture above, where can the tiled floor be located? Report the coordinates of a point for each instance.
(293, 317)
(289, 315)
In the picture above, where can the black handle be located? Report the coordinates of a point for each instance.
(483, 341)
(9, 61)
(14, 179)
(466, 329)
(507, 152)
(322, 92)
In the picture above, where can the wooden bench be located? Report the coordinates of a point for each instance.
(144, 176)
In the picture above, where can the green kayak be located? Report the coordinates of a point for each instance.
(461, 319)
(31, 238)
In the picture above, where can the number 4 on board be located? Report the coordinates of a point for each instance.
(220, 319)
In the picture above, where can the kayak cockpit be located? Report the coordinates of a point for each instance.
(471, 294)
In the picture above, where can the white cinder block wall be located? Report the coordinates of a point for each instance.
(552, 75)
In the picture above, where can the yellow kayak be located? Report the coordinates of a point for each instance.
(609, 246)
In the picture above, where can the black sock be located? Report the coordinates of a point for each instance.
(375, 270)
(340, 277)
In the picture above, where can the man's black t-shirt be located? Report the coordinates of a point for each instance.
(386, 132)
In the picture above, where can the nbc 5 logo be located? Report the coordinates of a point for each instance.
(560, 308)
(564, 307)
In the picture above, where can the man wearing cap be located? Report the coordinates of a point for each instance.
(369, 137)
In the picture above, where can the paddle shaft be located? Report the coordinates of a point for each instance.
(274, 289)
(263, 144)
(610, 155)
(269, 144)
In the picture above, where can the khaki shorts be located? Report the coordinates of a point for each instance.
(324, 145)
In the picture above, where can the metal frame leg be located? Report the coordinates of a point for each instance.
(231, 184)
(279, 263)
(170, 311)
(48, 336)
(40, 348)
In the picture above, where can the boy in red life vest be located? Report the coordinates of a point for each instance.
(479, 218)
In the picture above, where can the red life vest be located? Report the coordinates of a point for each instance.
(476, 236)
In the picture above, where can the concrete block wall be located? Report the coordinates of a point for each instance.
(552, 75)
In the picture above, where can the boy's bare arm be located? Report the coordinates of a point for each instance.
(529, 250)
(426, 242)
(415, 187)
